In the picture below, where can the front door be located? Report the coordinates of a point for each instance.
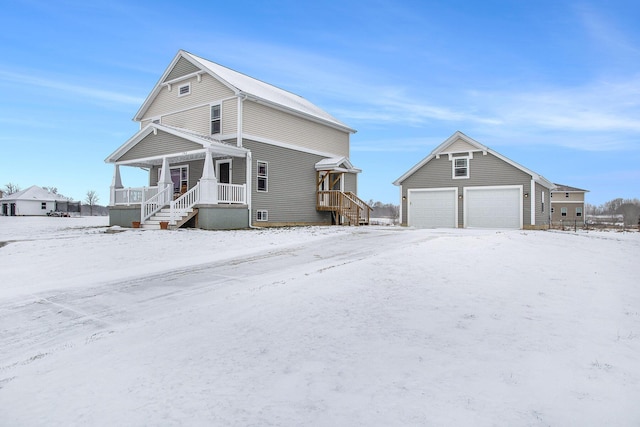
(223, 171)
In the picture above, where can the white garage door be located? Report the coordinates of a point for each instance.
(493, 207)
(433, 208)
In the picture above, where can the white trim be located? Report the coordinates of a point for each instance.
(176, 167)
(265, 176)
(400, 210)
(197, 74)
(532, 196)
(211, 118)
(218, 162)
(429, 190)
(264, 213)
(288, 146)
(204, 141)
(453, 167)
(465, 191)
(562, 202)
(439, 150)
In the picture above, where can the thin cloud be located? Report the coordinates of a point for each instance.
(59, 86)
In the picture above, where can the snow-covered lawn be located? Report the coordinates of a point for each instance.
(328, 326)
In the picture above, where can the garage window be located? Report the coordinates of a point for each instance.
(460, 168)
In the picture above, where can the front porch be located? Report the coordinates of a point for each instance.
(185, 188)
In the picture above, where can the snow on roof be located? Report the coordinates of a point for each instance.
(264, 91)
(567, 189)
(35, 193)
(252, 88)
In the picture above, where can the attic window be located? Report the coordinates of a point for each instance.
(460, 167)
(184, 89)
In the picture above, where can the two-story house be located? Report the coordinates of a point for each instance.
(224, 150)
(567, 205)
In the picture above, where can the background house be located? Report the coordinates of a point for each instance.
(225, 150)
(33, 201)
(463, 183)
(567, 205)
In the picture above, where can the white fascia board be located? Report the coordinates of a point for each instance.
(298, 113)
(413, 169)
(285, 145)
(159, 85)
(129, 143)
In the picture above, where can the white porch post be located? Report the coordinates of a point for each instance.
(248, 187)
(116, 183)
(165, 178)
(208, 182)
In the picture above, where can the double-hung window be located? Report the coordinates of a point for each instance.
(563, 211)
(460, 167)
(216, 121)
(579, 211)
(263, 176)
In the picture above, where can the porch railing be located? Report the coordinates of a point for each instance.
(155, 203)
(188, 200)
(232, 193)
(134, 196)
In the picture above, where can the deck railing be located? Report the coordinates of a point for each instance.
(134, 195)
(348, 205)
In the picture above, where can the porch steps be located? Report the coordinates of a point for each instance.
(153, 223)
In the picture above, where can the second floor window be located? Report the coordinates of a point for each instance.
(215, 119)
(460, 168)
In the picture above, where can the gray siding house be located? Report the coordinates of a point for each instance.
(225, 150)
(463, 183)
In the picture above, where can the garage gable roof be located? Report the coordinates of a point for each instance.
(459, 142)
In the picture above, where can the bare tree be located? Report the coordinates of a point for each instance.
(11, 188)
(91, 200)
(53, 190)
(630, 212)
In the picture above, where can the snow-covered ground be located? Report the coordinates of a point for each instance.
(327, 326)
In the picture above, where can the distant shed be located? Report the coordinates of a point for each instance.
(35, 201)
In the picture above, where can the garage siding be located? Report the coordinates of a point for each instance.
(484, 170)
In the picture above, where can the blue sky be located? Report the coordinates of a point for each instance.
(553, 85)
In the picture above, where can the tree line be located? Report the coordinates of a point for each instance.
(629, 209)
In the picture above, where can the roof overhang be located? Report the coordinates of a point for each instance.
(476, 146)
(208, 144)
(336, 164)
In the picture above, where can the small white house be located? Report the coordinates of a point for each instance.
(32, 201)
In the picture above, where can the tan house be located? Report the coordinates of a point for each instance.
(463, 183)
(224, 150)
(567, 205)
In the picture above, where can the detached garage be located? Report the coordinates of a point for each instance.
(463, 183)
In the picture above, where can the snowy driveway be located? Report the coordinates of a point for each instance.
(318, 326)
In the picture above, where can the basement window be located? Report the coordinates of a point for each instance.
(262, 215)
(184, 89)
(460, 168)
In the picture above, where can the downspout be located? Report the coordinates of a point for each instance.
(532, 192)
(249, 180)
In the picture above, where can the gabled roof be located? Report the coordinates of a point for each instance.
(35, 193)
(567, 189)
(253, 89)
(203, 140)
(336, 164)
(471, 145)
